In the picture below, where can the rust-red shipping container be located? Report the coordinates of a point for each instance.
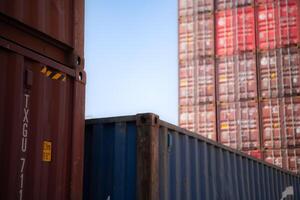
(268, 67)
(289, 62)
(238, 125)
(227, 4)
(254, 153)
(236, 77)
(53, 28)
(279, 72)
(235, 30)
(41, 123)
(196, 35)
(278, 24)
(200, 119)
(291, 122)
(189, 6)
(42, 83)
(271, 123)
(288, 159)
(197, 83)
(280, 123)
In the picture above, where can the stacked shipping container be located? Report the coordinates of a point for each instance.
(239, 75)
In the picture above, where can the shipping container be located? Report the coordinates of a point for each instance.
(143, 157)
(288, 159)
(41, 126)
(235, 31)
(289, 62)
(278, 24)
(254, 153)
(227, 4)
(202, 120)
(196, 35)
(271, 123)
(238, 125)
(279, 72)
(236, 77)
(53, 28)
(189, 6)
(197, 83)
(281, 122)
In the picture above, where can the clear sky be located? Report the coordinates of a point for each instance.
(131, 58)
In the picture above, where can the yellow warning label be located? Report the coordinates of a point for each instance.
(224, 126)
(47, 151)
(53, 74)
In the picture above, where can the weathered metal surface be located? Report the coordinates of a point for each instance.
(53, 28)
(238, 125)
(42, 124)
(202, 120)
(189, 166)
(236, 78)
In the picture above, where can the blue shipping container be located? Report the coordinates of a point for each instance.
(142, 157)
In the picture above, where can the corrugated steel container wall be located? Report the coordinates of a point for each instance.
(279, 72)
(142, 157)
(235, 31)
(286, 158)
(202, 120)
(278, 24)
(281, 122)
(53, 28)
(197, 82)
(42, 124)
(196, 35)
(238, 125)
(236, 78)
(187, 6)
(227, 4)
(271, 123)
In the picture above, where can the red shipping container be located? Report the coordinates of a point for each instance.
(238, 125)
(205, 34)
(291, 160)
(254, 153)
(196, 38)
(274, 156)
(200, 119)
(279, 72)
(225, 4)
(187, 85)
(224, 32)
(288, 159)
(290, 71)
(235, 31)
(271, 124)
(236, 78)
(202, 6)
(205, 81)
(268, 68)
(278, 24)
(266, 26)
(197, 83)
(288, 22)
(291, 122)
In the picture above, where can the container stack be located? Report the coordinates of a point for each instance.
(196, 68)
(239, 75)
(278, 67)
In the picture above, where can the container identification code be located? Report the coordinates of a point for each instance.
(24, 144)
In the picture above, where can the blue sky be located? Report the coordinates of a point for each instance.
(131, 58)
